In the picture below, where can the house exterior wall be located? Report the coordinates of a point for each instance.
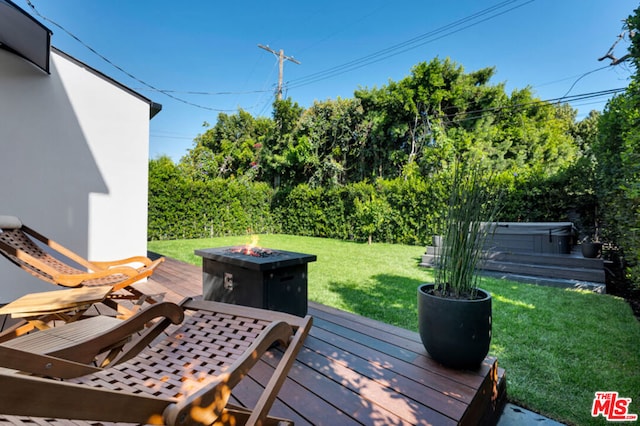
(73, 162)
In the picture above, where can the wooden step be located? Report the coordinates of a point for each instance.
(600, 288)
(572, 260)
(568, 270)
(551, 271)
(567, 260)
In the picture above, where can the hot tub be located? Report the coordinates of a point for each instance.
(531, 237)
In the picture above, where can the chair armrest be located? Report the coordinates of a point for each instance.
(82, 341)
(87, 350)
(43, 365)
(22, 395)
(135, 259)
(75, 280)
(262, 407)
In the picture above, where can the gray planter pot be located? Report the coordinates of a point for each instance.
(455, 332)
(591, 250)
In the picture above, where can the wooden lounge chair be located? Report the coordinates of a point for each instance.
(34, 253)
(186, 378)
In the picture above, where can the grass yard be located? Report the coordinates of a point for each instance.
(558, 346)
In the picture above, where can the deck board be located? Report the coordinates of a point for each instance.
(354, 370)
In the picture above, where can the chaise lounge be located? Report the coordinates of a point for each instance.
(185, 378)
(51, 262)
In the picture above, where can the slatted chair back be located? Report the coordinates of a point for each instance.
(54, 263)
(49, 261)
(199, 350)
(14, 243)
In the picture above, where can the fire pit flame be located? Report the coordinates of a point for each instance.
(252, 249)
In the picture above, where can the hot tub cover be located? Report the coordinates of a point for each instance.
(532, 228)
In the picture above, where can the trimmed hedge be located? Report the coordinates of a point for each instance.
(196, 209)
(404, 211)
(397, 211)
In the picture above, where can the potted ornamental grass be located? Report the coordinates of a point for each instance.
(454, 314)
(591, 246)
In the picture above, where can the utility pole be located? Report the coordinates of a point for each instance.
(281, 59)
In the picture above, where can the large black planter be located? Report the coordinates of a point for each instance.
(591, 250)
(455, 332)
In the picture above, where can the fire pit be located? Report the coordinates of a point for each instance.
(254, 276)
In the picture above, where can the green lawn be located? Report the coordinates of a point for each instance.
(558, 346)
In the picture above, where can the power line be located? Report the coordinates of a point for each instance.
(446, 30)
(410, 44)
(475, 114)
(189, 92)
(108, 61)
(171, 137)
(582, 76)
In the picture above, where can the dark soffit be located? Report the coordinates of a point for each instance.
(21, 34)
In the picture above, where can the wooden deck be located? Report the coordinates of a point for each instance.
(353, 370)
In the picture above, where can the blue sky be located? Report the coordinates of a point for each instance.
(211, 47)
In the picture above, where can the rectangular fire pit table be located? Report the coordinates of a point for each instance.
(257, 277)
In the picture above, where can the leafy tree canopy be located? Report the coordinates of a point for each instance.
(415, 126)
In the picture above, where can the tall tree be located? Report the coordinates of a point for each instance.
(273, 161)
(617, 150)
(332, 135)
(230, 148)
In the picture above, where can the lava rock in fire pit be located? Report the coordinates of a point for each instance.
(252, 251)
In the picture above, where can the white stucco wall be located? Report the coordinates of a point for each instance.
(73, 162)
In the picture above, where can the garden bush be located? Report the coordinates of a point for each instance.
(182, 208)
(403, 211)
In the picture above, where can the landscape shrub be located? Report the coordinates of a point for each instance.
(403, 211)
(310, 211)
(185, 208)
